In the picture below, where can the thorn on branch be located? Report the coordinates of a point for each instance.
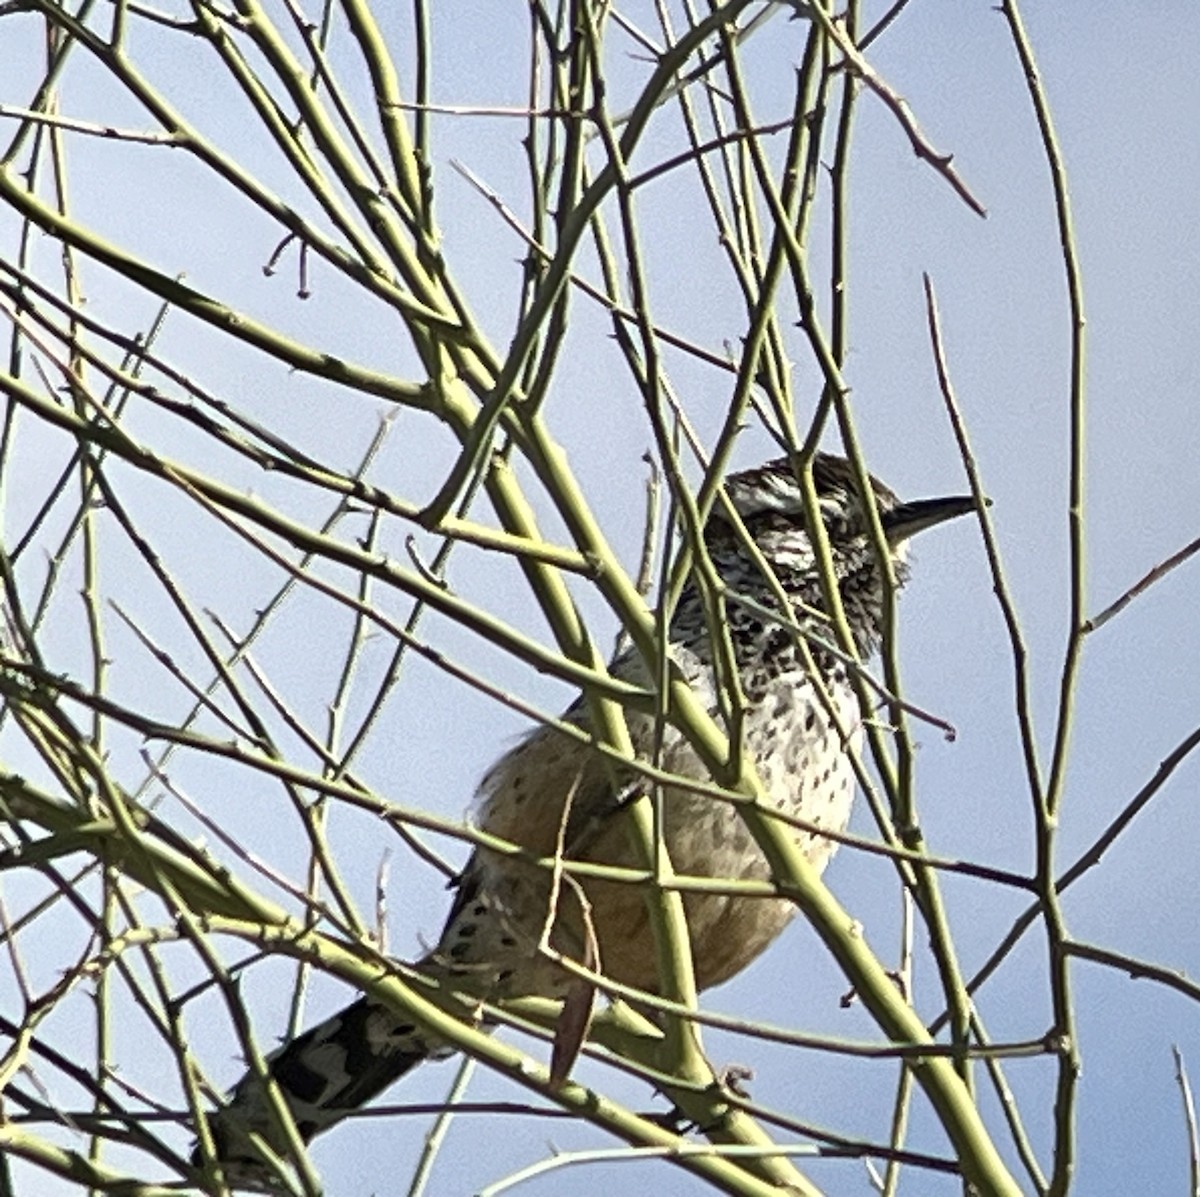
(733, 1077)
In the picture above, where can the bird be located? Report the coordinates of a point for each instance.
(552, 790)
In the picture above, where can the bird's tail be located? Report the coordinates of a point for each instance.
(323, 1075)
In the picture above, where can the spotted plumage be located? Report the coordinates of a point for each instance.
(551, 785)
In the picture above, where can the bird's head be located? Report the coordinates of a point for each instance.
(769, 501)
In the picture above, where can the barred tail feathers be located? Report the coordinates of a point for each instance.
(324, 1074)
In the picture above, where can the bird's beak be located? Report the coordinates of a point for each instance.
(908, 519)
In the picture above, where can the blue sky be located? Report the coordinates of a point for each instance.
(1125, 95)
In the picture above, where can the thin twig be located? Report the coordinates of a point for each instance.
(1189, 1114)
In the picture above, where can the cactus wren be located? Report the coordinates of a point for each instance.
(801, 745)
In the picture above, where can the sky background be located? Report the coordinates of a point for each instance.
(1125, 96)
